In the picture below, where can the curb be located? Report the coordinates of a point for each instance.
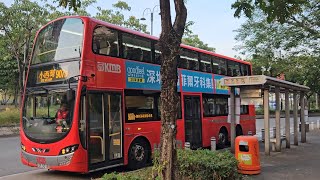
(261, 116)
(9, 130)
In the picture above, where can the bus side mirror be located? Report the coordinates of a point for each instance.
(70, 95)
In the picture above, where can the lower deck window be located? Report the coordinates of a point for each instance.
(244, 109)
(144, 106)
(215, 105)
(140, 108)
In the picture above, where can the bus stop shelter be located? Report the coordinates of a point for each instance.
(259, 87)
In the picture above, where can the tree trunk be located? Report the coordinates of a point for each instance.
(20, 80)
(169, 100)
(170, 40)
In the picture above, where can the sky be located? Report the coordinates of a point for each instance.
(214, 20)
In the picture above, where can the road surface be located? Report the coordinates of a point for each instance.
(10, 156)
(11, 167)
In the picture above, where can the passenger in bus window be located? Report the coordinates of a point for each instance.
(62, 117)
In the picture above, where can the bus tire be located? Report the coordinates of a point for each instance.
(222, 138)
(139, 153)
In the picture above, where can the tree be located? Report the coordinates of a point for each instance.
(290, 47)
(114, 16)
(276, 10)
(170, 40)
(19, 22)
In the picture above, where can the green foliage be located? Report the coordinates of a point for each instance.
(194, 40)
(291, 48)
(204, 164)
(198, 164)
(134, 175)
(114, 16)
(122, 5)
(19, 22)
(71, 4)
(9, 116)
(276, 10)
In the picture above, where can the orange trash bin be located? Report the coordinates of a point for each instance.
(247, 153)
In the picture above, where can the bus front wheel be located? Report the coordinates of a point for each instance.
(138, 154)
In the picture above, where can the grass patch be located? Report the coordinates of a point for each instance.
(199, 164)
(140, 174)
(9, 116)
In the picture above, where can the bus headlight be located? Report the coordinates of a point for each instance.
(69, 149)
(23, 147)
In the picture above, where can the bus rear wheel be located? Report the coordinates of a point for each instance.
(222, 139)
(239, 131)
(139, 152)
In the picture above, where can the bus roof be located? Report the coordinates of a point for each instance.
(123, 29)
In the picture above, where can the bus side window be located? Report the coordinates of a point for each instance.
(215, 105)
(233, 68)
(219, 66)
(105, 41)
(188, 60)
(157, 58)
(248, 70)
(244, 109)
(205, 62)
(136, 48)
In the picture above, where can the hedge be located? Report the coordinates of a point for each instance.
(197, 164)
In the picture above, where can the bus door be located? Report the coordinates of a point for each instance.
(105, 129)
(192, 117)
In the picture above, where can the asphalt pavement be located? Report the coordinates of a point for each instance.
(11, 167)
(297, 163)
(10, 156)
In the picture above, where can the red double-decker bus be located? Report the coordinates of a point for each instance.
(92, 97)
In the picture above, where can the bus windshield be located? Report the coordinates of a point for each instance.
(47, 115)
(59, 40)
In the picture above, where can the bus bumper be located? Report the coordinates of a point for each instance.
(46, 161)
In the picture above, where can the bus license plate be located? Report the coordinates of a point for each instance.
(43, 166)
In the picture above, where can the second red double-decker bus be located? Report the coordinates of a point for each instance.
(92, 98)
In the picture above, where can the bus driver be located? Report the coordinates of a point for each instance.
(61, 117)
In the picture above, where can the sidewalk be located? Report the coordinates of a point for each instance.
(12, 130)
(298, 162)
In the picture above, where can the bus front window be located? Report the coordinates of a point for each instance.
(60, 40)
(47, 116)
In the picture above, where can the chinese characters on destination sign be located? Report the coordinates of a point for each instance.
(51, 75)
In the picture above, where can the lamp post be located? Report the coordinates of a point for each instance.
(151, 16)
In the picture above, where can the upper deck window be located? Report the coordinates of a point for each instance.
(157, 58)
(233, 68)
(136, 48)
(105, 41)
(59, 40)
(205, 63)
(244, 70)
(219, 66)
(188, 60)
